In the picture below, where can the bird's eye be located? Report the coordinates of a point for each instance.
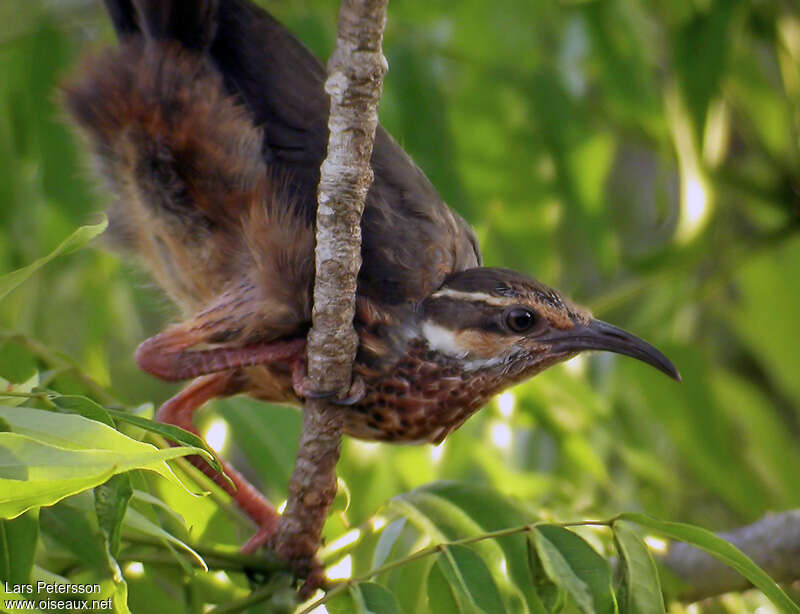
(520, 319)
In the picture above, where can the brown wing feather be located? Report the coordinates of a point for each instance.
(412, 240)
(194, 198)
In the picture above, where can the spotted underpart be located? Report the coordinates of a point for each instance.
(428, 395)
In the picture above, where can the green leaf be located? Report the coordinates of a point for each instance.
(75, 241)
(719, 549)
(470, 583)
(75, 432)
(442, 595)
(94, 411)
(642, 586)
(117, 584)
(72, 524)
(447, 511)
(558, 569)
(146, 497)
(111, 502)
(85, 407)
(386, 541)
(135, 520)
(49, 456)
(170, 432)
(573, 564)
(409, 584)
(701, 49)
(377, 598)
(18, 539)
(45, 474)
(364, 598)
(551, 598)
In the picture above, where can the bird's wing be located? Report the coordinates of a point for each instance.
(193, 197)
(412, 240)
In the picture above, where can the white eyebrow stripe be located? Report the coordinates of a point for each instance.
(475, 297)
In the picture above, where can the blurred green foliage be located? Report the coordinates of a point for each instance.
(642, 156)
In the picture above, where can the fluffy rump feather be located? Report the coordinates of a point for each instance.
(193, 195)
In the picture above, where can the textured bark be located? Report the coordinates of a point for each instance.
(312, 487)
(773, 542)
(355, 78)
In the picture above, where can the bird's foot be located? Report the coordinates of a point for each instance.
(308, 568)
(169, 355)
(315, 578)
(358, 388)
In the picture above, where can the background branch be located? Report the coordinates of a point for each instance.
(355, 79)
(773, 542)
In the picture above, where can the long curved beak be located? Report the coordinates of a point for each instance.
(599, 335)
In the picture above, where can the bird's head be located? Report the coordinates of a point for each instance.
(503, 321)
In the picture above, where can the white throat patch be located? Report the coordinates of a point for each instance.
(442, 340)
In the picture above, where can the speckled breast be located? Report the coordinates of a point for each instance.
(421, 399)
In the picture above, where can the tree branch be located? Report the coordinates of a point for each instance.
(773, 542)
(355, 79)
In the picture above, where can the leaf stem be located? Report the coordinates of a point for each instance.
(275, 584)
(233, 561)
(439, 547)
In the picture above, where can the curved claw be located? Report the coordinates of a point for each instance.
(355, 394)
(309, 394)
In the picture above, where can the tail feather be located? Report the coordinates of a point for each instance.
(165, 132)
(191, 22)
(185, 163)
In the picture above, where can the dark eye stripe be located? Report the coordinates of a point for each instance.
(455, 314)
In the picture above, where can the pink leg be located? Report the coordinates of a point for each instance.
(179, 410)
(169, 357)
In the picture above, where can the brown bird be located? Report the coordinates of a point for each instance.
(209, 125)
